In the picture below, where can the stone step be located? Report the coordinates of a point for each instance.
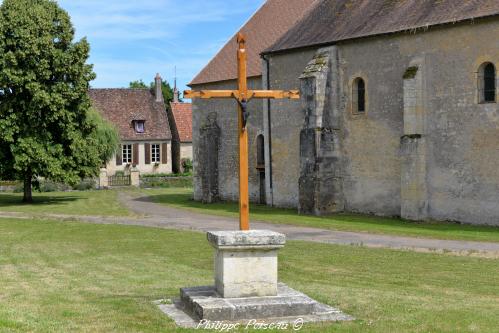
(205, 303)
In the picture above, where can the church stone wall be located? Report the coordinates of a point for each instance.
(424, 149)
(223, 113)
(462, 135)
(371, 140)
(444, 166)
(287, 120)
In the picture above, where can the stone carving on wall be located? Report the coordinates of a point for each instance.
(208, 159)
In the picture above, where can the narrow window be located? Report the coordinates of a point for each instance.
(260, 152)
(489, 83)
(359, 95)
(127, 154)
(155, 153)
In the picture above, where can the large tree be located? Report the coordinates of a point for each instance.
(46, 127)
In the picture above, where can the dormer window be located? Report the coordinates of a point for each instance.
(139, 126)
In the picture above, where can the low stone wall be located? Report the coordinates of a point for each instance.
(166, 181)
(9, 186)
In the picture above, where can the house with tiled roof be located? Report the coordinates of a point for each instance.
(399, 112)
(180, 118)
(141, 120)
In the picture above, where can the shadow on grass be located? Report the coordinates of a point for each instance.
(344, 222)
(8, 200)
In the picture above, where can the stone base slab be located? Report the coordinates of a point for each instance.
(204, 305)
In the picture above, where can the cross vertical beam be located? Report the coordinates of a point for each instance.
(243, 136)
(243, 96)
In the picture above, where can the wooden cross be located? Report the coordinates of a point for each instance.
(243, 96)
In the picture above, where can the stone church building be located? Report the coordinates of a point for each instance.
(398, 113)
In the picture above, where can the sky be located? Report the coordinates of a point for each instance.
(132, 40)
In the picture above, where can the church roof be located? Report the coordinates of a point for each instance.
(182, 115)
(269, 23)
(337, 20)
(124, 106)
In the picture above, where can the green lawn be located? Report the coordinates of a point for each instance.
(102, 203)
(182, 198)
(105, 203)
(68, 276)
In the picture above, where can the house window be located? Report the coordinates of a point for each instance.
(155, 153)
(127, 154)
(359, 96)
(139, 126)
(487, 83)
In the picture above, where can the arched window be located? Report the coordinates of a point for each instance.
(359, 95)
(260, 151)
(487, 83)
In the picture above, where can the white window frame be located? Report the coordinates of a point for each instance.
(126, 154)
(155, 153)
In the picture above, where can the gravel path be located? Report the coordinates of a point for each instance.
(151, 214)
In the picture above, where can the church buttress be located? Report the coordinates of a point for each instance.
(321, 183)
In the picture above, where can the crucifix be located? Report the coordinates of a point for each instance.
(243, 96)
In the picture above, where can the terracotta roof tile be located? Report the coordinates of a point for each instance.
(123, 106)
(336, 20)
(182, 115)
(269, 23)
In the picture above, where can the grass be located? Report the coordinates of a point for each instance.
(68, 276)
(182, 198)
(102, 203)
(105, 203)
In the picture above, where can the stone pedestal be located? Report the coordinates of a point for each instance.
(135, 177)
(246, 287)
(103, 179)
(246, 262)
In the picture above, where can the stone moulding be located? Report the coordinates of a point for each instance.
(253, 239)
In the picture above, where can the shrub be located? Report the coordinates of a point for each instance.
(165, 182)
(51, 186)
(186, 165)
(85, 185)
(164, 175)
(19, 188)
(9, 182)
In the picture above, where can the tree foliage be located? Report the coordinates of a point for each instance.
(166, 89)
(138, 84)
(105, 136)
(45, 127)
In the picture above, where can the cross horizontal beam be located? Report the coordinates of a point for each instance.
(274, 94)
(207, 94)
(260, 94)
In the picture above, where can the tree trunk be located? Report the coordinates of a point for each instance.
(28, 193)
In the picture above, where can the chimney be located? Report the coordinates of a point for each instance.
(157, 89)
